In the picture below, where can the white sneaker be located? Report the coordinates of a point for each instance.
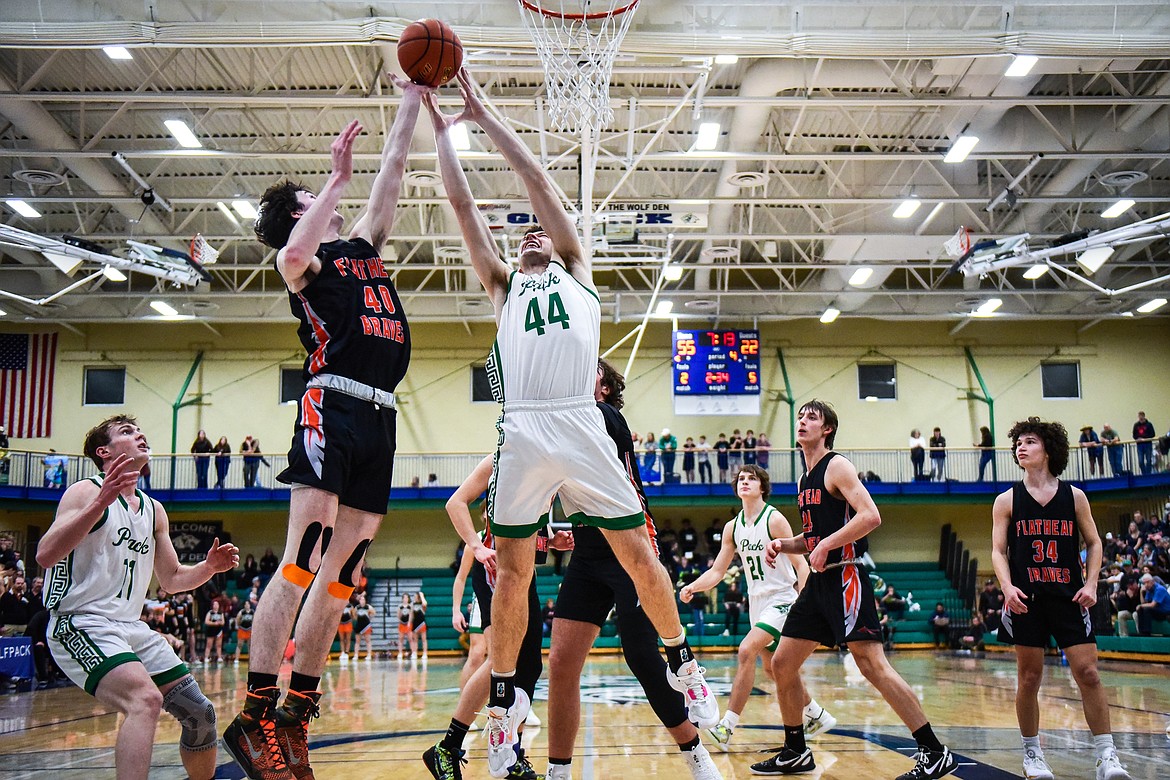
(702, 708)
(1110, 768)
(700, 763)
(502, 734)
(531, 720)
(1035, 767)
(559, 772)
(720, 734)
(343, 657)
(820, 724)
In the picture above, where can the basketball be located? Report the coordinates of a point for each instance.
(429, 52)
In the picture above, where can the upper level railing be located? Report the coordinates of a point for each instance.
(32, 474)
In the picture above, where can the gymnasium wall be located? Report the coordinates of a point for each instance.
(1124, 366)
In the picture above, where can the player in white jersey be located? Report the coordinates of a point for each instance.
(105, 542)
(771, 592)
(552, 436)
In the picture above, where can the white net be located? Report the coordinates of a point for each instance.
(202, 252)
(577, 41)
(958, 244)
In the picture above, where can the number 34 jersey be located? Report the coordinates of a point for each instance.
(549, 335)
(109, 572)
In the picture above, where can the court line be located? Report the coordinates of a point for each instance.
(587, 753)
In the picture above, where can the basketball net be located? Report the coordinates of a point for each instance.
(202, 252)
(577, 41)
(958, 244)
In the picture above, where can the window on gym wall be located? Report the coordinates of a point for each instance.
(481, 388)
(104, 386)
(1060, 380)
(878, 381)
(292, 385)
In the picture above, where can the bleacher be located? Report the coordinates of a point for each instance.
(925, 584)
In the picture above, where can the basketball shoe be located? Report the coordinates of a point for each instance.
(443, 764)
(522, 769)
(292, 730)
(818, 725)
(1110, 768)
(1035, 767)
(702, 708)
(930, 765)
(720, 734)
(700, 763)
(502, 734)
(786, 762)
(251, 737)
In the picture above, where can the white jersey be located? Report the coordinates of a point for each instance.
(109, 572)
(765, 584)
(548, 340)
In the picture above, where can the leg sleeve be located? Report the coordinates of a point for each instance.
(640, 647)
(530, 663)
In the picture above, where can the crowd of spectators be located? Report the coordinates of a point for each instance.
(660, 455)
(1136, 569)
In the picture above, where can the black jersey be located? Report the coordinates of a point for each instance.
(1044, 543)
(346, 615)
(588, 542)
(245, 620)
(821, 513)
(352, 322)
(404, 612)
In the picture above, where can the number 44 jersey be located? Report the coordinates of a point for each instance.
(109, 572)
(549, 335)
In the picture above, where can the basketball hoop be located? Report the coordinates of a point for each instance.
(958, 244)
(202, 252)
(577, 41)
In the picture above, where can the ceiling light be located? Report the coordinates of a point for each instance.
(861, 276)
(163, 308)
(708, 136)
(113, 274)
(1036, 271)
(23, 209)
(961, 148)
(663, 308)
(672, 272)
(907, 208)
(987, 308)
(1022, 65)
(245, 209)
(1093, 259)
(182, 133)
(223, 209)
(830, 315)
(1153, 305)
(1117, 209)
(117, 52)
(459, 137)
(726, 59)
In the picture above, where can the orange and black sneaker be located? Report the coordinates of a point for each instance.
(292, 730)
(251, 737)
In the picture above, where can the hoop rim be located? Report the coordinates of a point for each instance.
(534, 6)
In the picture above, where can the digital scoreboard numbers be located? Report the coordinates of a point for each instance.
(716, 363)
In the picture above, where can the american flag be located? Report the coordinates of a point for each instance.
(27, 364)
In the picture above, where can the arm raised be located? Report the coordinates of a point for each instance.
(81, 508)
(174, 576)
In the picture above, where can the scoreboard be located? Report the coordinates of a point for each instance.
(716, 363)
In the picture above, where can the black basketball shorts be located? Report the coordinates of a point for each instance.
(1058, 617)
(835, 608)
(345, 446)
(594, 586)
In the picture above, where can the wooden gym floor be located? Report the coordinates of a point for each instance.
(379, 716)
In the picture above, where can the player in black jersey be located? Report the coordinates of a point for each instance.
(594, 584)
(836, 606)
(355, 333)
(1035, 546)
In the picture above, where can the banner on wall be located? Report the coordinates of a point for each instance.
(193, 540)
(665, 214)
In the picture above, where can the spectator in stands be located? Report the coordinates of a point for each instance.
(223, 459)
(735, 453)
(432, 480)
(886, 623)
(721, 447)
(1156, 528)
(36, 596)
(703, 457)
(940, 626)
(201, 448)
(1133, 535)
(1112, 443)
(688, 538)
(667, 446)
(1091, 443)
(918, 454)
(991, 605)
(548, 613)
(732, 608)
(650, 458)
(666, 533)
(763, 451)
(416, 481)
(1144, 434)
(7, 553)
(1112, 549)
(1125, 603)
(894, 604)
(250, 449)
(971, 638)
(1155, 604)
(250, 570)
(698, 606)
(938, 456)
(269, 563)
(713, 537)
(986, 447)
(689, 459)
(749, 447)
(14, 606)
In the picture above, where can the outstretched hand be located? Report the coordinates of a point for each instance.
(441, 121)
(408, 86)
(473, 108)
(341, 150)
(223, 557)
(121, 475)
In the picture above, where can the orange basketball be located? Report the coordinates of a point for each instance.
(429, 52)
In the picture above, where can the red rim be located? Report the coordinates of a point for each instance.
(535, 8)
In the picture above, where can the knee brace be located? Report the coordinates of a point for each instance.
(346, 582)
(195, 713)
(299, 573)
